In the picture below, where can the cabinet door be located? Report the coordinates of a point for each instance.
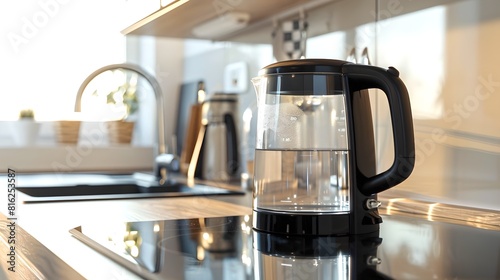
(447, 55)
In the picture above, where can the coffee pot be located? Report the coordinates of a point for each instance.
(315, 162)
(216, 155)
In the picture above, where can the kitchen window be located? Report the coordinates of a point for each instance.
(49, 47)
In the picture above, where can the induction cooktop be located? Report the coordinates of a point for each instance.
(228, 248)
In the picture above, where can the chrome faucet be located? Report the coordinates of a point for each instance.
(163, 162)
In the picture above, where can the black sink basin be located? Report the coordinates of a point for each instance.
(68, 187)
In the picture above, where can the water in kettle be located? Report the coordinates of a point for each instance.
(301, 180)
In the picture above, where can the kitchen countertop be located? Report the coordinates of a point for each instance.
(49, 224)
(410, 229)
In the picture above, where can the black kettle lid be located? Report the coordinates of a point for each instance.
(314, 77)
(304, 66)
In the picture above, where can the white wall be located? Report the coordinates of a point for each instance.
(205, 60)
(446, 52)
(447, 56)
(49, 48)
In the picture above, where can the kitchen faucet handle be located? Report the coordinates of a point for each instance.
(165, 163)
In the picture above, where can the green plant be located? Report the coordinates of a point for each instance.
(26, 114)
(125, 95)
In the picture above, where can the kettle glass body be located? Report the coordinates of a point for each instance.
(301, 157)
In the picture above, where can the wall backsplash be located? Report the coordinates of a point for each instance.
(447, 53)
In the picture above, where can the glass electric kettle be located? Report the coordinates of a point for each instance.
(315, 169)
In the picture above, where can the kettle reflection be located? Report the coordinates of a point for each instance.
(319, 257)
(229, 248)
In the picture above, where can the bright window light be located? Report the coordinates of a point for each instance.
(49, 47)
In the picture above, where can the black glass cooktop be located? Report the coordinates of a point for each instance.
(228, 248)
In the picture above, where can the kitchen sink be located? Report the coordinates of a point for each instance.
(70, 187)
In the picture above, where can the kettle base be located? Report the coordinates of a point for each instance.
(305, 224)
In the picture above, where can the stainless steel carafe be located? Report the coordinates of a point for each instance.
(315, 170)
(215, 156)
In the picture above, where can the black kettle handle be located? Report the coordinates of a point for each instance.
(232, 145)
(362, 77)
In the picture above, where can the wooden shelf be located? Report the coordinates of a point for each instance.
(179, 18)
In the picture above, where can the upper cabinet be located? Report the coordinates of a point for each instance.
(244, 20)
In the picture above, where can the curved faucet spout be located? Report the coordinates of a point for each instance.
(161, 147)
